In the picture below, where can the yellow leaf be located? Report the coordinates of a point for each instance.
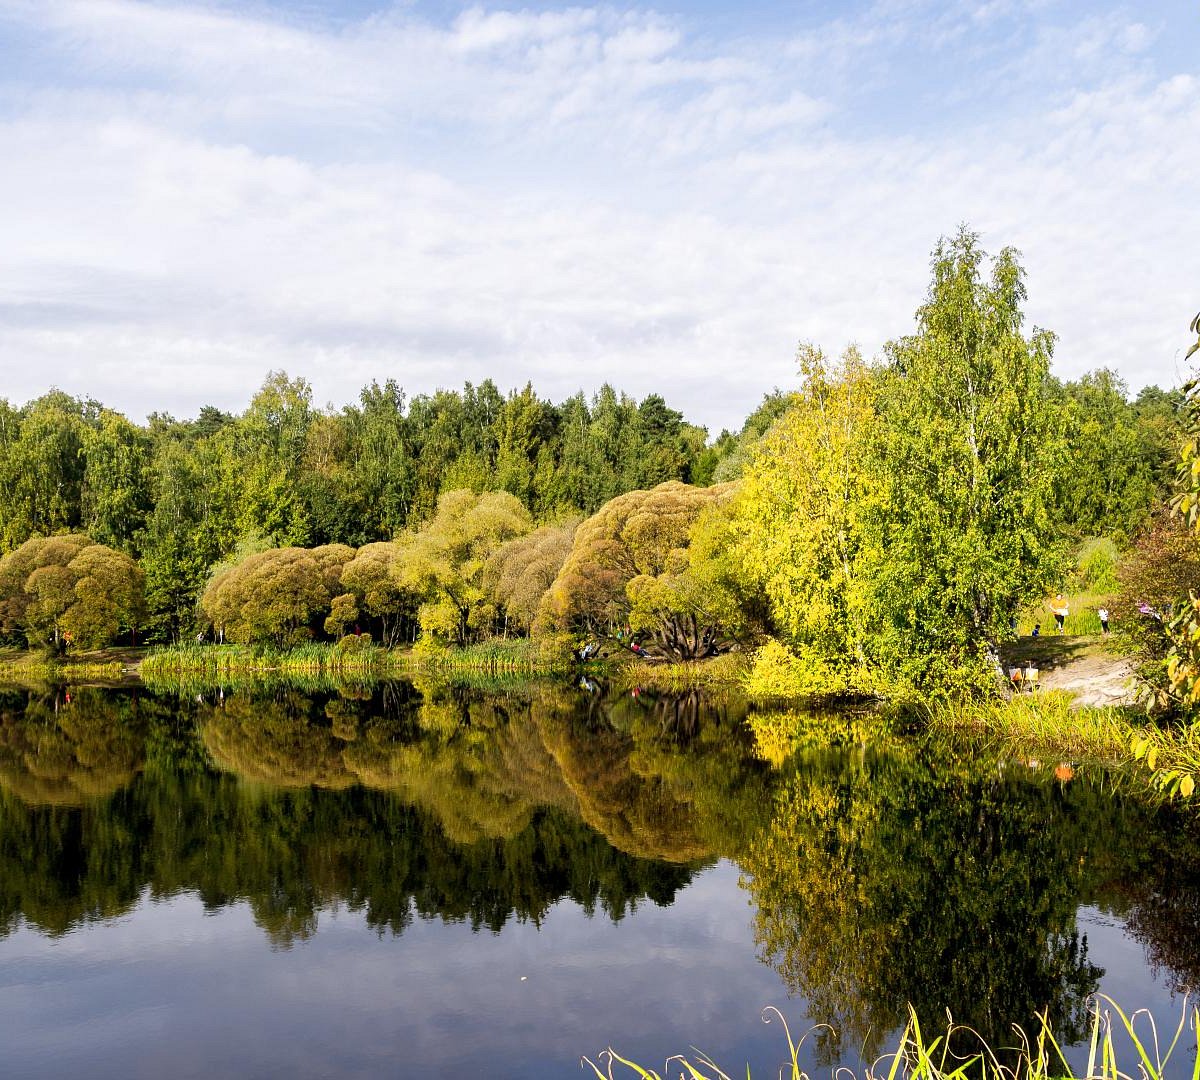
(1187, 786)
(1152, 757)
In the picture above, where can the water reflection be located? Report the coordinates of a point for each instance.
(880, 870)
(885, 881)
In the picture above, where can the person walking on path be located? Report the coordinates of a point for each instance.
(1061, 610)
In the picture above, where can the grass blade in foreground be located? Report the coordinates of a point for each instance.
(916, 1059)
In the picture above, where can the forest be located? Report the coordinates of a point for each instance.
(884, 522)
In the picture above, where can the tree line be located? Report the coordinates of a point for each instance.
(886, 519)
(181, 496)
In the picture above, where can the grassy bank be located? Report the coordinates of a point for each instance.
(719, 673)
(500, 656)
(1120, 1046)
(344, 660)
(1044, 724)
(25, 667)
(221, 661)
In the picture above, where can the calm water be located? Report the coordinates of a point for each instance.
(424, 881)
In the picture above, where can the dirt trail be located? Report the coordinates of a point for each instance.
(1082, 666)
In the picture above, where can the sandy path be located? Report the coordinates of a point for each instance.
(1080, 666)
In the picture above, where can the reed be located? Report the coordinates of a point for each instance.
(718, 673)
(1043, 722)
(244, 659)
(499, 656)
(961, 1054)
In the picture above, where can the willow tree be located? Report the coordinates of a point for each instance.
(968, 450)
(629, 565)
(369, 581)
(57, 590)
(444, 561)
(521, 572)
(271, 596)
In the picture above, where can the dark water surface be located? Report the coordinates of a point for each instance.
(426, 881)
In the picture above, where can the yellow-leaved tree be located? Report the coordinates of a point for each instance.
(444, 561)
(797, 525)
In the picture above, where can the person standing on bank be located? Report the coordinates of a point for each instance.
(1103, 613)
(1061, 610)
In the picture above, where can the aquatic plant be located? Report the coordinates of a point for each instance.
(953, 1057)
(495, 656)
(228, 659)
(1043, 722)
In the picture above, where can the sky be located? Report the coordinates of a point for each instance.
(667, 198)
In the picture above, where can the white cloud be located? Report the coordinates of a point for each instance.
(573, 197)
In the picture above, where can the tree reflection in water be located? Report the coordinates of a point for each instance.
(889, 880)
(881, 872)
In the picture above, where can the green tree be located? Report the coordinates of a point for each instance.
(1119, 456)
(271, 596)
(800, 522)
(969, 450)
(109, 596)
(377, 591)
(629, 563)
(733, 454)
(191, 526)
(1183, 661)
(42, 467)
(115, 493)
(383, 472)
(444, 561)
(60, 589)
(267, 447)
(523, 427)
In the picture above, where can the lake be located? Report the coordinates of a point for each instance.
(426, 880)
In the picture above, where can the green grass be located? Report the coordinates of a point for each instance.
(499, 656)
(1044, 724)
(228, 659)
(22, 666)
(720, 672)
(1082, 619)
(960, 1054)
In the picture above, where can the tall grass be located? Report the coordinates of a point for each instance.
(234, 659)
(498, 656)
(1042, 722)
(25, 666)
(918, 1057)
(720, 672)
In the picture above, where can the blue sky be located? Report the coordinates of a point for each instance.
(668, 198)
